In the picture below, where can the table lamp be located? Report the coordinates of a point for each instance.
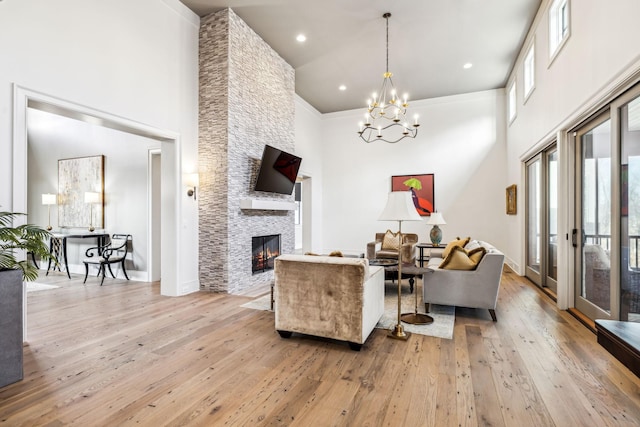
(399, 208)
(49, 199)
(91, 198)
(436, 219)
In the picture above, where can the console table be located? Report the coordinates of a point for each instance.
(58, 245)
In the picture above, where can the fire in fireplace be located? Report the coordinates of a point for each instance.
(265, 249)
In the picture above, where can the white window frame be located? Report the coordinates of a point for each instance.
(559, 26)
(529, 71)
(512, 99)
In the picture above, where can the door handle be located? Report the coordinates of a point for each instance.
(574, 235)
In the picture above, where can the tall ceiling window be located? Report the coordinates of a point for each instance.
(559, 26)
(529, 72)
(511, 106)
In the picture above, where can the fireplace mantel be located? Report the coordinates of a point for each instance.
(268, 205)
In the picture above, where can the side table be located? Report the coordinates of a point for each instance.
(421, 247)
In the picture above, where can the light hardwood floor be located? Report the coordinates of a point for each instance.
(121, 354)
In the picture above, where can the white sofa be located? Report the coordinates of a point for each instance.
(332, 297)
(476, 288)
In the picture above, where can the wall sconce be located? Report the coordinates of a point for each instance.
(91, 198)
(192, 180)
(49, 199)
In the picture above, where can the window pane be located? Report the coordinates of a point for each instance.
(533, 210)
(596, 215)
(512, 101)
(552, 222)
(529, 71)
(558, 24)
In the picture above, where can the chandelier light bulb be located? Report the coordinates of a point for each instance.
(415, 120)
(361, 125)
(379, 131)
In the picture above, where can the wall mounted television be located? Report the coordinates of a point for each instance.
(278, 171)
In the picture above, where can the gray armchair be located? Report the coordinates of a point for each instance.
(409, 241)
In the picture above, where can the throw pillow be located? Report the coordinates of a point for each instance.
(459, 259)
(473, 244)
(454, 243)
(391, 241)
(336, 253)
(477, 254)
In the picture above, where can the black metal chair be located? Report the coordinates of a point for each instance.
(114, 252)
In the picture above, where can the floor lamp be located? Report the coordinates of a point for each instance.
(399, 208)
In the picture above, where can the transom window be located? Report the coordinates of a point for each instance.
(529, 71)
(512, 102)
(559, 25)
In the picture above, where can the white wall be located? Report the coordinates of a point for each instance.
(52, 137)
(461, 141)
(309, 146)
(136, 60)
(600, 53)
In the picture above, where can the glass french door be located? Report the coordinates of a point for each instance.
(542, 218)
(608, 212)
(593, 220)
(629, 114)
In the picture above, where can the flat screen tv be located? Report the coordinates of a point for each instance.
(278, 171)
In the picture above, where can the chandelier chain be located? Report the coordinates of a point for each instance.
(387, 18)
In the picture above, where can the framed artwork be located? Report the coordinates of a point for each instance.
(421, 187)
(76, 177)
(511, 200)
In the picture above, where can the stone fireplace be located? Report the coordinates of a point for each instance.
(238, 72)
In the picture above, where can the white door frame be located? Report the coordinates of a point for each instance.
(24, 98)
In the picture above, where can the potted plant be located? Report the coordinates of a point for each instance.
(13, 272)
(25, 237)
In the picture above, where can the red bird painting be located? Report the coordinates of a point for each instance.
(421, 188)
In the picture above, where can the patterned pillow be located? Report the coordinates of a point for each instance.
(391, 241)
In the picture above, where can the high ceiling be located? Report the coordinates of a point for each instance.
(429, 42)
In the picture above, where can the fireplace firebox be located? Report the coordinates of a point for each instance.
(265, 249)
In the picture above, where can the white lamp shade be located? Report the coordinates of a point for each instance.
(49, 199)
(399, 208)
(192, 179)
(436, 219)
(90, 197)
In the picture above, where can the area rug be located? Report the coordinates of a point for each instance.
(35, 286)
(443, 315)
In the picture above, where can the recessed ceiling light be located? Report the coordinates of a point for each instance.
(301, 38)
(342, 87)
(467, 65)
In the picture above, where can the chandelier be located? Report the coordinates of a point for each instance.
(386, 116)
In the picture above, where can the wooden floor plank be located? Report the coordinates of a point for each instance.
(122, 354)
